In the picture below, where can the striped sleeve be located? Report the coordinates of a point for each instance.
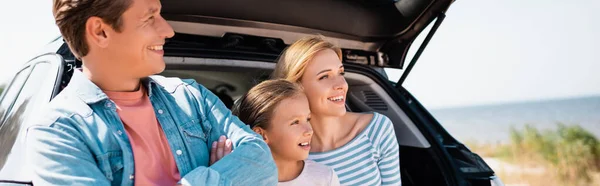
(389, 160)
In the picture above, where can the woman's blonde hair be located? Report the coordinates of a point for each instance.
(292, 63)
(256, 107)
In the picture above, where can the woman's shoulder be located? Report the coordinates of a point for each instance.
(360, 121)
(364, 121)
(377, 125)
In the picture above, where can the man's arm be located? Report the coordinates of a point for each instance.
(250, 163)
(59, 157)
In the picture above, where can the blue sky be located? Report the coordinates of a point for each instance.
(485, 51)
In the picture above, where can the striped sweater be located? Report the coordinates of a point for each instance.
(371, 158)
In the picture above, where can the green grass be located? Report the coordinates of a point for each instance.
(571, 153)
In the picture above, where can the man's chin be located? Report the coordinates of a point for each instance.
(142, 73)
(157, 68)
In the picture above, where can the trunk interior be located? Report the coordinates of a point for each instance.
(230, 79)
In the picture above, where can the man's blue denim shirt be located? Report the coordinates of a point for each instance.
(81, 140)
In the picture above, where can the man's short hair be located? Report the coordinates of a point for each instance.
(72, 15)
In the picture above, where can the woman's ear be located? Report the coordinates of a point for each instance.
(261, 132)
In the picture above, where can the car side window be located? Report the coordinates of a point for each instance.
(12, 90)
(28, 89)
(31, 88)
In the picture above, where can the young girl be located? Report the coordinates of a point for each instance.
(278, 110)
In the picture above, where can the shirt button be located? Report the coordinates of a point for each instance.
(119, 132)
(108, 105)
(178, 152)
(160, 111)
(131, 177)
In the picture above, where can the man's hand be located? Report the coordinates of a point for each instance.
(220, 149)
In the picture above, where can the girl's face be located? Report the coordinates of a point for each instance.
(325, 85)
(289, 132)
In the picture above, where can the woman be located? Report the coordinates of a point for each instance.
(278, 110)
(360, 147)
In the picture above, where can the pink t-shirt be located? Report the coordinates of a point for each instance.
(154, 163)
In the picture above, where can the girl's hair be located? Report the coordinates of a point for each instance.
(292, 63)
(256, 107)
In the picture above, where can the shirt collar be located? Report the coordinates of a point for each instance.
(90, 93)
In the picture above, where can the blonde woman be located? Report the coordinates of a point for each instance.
(360, 147)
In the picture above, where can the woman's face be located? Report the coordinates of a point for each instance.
(325, 85)
(289, 133)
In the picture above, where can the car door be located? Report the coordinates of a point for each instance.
(20, 104)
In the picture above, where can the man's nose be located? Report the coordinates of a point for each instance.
(164, 29)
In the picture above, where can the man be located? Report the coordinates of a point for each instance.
(114, 125)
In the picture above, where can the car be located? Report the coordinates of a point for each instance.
(229, 46)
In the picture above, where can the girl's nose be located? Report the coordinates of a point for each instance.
(308, 130)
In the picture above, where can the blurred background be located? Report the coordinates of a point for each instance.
(515, 80)
(518, 83)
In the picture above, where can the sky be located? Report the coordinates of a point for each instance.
(494, 52)
(485, 52)
(27, 26)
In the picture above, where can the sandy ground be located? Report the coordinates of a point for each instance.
(513, 174)
(497, 164)
(505, 169)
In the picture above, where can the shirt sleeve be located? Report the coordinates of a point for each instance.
(389, 162)
(58, 156)
(250, 163)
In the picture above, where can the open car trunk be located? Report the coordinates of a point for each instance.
(419, 163)
(428, 155)
(231, 46)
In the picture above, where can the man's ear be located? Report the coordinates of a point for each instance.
(261, 132)
(95, 32)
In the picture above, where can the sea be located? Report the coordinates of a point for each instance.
(492, 123)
